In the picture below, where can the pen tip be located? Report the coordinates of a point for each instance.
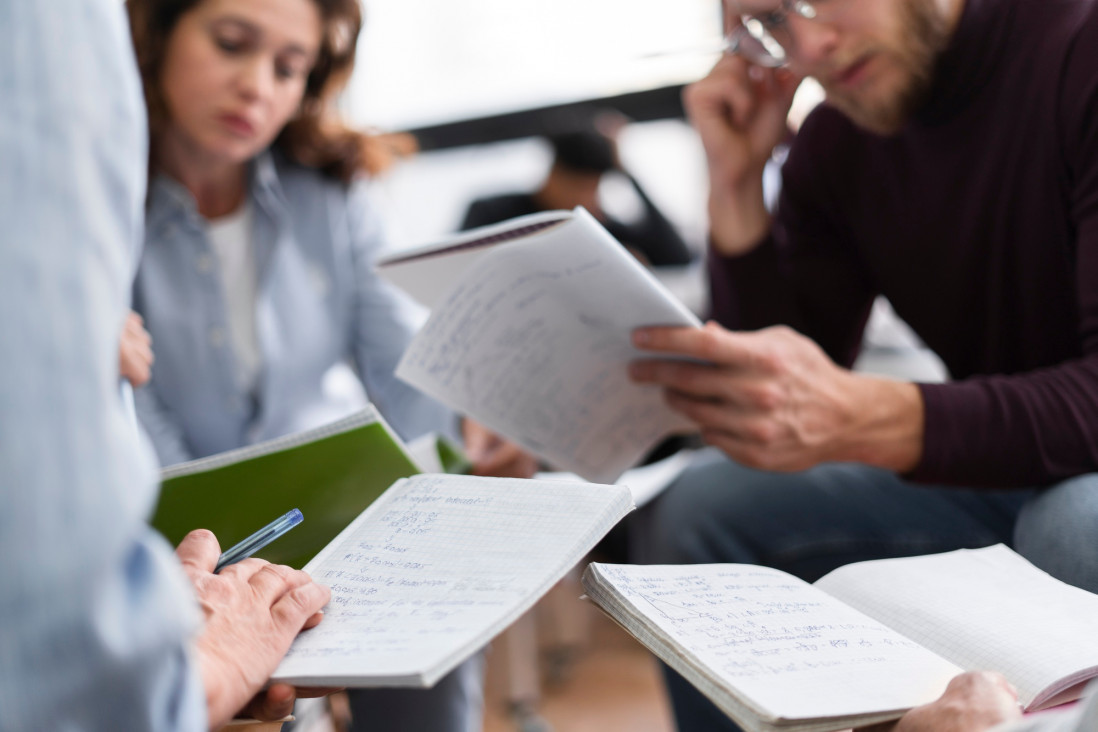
(296, 517)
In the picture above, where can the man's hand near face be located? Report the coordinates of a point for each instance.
(740, 113)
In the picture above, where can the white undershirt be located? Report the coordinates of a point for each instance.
(231, 239)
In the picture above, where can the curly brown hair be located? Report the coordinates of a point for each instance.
(315, 137)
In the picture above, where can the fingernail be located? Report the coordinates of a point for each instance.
(641, 338)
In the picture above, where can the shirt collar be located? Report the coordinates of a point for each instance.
(267, 184)
(169, 200)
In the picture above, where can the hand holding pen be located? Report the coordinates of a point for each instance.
(253, 611)
(260, 539)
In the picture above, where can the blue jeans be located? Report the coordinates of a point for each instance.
(812, 522)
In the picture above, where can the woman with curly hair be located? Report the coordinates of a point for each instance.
(257, 273)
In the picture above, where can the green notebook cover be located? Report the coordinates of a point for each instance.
(452, 457)
(332, 474)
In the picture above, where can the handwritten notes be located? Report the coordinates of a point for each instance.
(763, 634)
(436, 568)
(534, 341)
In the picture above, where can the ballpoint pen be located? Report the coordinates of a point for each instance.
(259, 539)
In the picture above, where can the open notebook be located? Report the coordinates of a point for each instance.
(436, 568)
(530, 333)
(862, 645)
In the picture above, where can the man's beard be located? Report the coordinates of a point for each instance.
(923, 36)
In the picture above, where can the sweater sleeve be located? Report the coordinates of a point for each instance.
(806, 274)
(1040, 427)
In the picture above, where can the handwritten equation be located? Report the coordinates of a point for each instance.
(765, 632)
(439, 562)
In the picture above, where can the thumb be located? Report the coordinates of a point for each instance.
(199, 551)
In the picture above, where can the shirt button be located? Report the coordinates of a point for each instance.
(204, 263)
(217, 336)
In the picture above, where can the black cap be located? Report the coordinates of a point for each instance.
(587, 151)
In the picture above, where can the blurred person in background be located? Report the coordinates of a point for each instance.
(582, 156)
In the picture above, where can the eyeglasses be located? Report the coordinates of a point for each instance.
(763, 37)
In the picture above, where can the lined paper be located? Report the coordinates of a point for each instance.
(787, 649)
(436, 568)
(534, 342)
(646, 482)
(984, 609)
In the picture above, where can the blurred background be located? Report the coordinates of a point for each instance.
(477, 81)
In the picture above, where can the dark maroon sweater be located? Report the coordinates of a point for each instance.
(979, 222)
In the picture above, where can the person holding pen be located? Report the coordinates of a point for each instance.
(103, 628)
(257, 277)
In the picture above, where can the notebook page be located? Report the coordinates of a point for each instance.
(982, 609)
(534, 342)
(427, 273)
(437, 567)
(645, 482)
(789, 650)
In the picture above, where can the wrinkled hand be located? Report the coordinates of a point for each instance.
(493, 455)
(973, 702)
(277, 701)
(253, 611)
(773, 400)
(135, 355)
(739, 111)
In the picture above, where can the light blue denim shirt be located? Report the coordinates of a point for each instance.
(319, 303)
(95, 612)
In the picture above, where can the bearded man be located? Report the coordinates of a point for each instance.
(954, 170)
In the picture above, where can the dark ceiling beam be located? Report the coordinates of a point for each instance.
(643, 106)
